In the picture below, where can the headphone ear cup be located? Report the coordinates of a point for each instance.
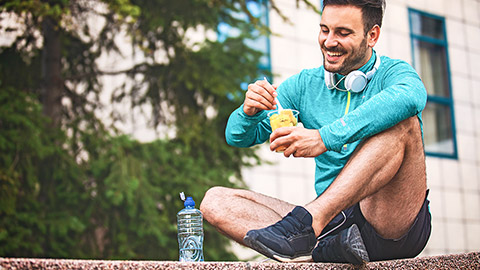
(328, 79)
(356, 81)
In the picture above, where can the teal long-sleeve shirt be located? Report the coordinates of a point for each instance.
(393, 94)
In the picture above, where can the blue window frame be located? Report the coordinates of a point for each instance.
(258, 9)
(430, 59)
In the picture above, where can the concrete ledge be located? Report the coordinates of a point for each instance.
(459, 261)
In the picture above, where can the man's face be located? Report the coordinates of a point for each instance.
(342, 39)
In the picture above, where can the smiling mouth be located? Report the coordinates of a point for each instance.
(334, 54)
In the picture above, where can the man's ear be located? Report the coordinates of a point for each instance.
(373, 35)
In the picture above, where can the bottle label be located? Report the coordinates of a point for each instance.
(191, 249)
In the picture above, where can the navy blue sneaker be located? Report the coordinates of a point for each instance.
(292, 239)
(345, 247)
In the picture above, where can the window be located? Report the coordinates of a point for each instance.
(430, 59)
(259, 9)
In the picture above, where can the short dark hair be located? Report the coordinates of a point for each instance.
(372, 10)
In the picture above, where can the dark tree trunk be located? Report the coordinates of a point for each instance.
(52, 72)
(51, 98)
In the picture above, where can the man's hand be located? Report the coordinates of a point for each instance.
(260, 96)
(300, 142)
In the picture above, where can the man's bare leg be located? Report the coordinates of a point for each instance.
(386, 174)
(235, 211)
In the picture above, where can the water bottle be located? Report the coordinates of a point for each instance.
(190, 232)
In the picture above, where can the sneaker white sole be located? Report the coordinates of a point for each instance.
(261, 248)
(307, 258)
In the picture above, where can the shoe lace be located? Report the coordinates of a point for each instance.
(288, 226)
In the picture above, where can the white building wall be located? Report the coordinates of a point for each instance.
(454, 184)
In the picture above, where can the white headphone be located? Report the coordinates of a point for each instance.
(355, 81)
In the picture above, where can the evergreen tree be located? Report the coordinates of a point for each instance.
(73, 187)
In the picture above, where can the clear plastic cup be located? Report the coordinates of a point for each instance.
(283, 118)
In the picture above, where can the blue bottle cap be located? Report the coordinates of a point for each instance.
(189, 202)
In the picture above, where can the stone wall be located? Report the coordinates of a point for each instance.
(458, 261)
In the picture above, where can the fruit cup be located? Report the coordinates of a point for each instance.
(283, 118)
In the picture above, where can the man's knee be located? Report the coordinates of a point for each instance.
(211, 201)
(411, 134)
(405, 131)
(410, 125)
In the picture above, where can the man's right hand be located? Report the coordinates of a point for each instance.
(260, 96)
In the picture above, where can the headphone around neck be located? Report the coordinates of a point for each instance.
(355, 81)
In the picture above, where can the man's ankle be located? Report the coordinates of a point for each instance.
(318, 221)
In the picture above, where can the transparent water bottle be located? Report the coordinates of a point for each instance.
(190, 232)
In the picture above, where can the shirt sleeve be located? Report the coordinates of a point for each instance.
(244, 131)
(403, 96)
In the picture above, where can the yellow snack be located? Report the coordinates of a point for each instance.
(289, 113)
(282, 118)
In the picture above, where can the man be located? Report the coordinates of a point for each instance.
(361, 118)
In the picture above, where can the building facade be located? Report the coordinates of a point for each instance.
(441, 40)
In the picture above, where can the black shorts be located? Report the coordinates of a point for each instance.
(379, 248)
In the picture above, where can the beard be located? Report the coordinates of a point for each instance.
(352, 62)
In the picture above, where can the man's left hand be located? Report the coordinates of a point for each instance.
(300, 142)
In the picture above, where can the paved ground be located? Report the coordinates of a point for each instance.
(458, 261)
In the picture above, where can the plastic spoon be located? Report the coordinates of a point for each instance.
(279, 106)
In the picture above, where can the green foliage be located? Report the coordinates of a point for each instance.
(120, 205)
(82, 189)
(137, 202)
(55, 9)
(36, 180)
